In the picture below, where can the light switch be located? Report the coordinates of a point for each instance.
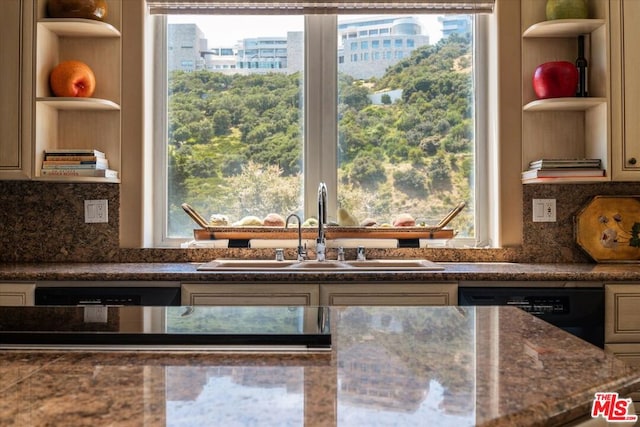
(544, 210)
(96, 211)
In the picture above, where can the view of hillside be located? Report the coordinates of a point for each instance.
(235, 141)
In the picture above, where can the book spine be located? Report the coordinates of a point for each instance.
(74, 152)
(101, 162)
(81, 166)
(105, 173)
(51, 157)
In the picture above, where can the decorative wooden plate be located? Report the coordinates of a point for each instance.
(608, 228)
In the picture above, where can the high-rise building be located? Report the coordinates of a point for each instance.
(370, 45)
(189, 51)
(185, 42)
(455, 24)
(271, 54)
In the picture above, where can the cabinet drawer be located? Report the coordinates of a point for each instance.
(389, 294)
(622, 313)
(249, 294)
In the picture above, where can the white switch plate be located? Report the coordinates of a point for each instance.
(544, 210)
(96, 211)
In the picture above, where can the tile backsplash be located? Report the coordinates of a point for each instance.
(44, 222)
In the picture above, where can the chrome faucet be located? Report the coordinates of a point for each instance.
(302, 252)
(322, 221)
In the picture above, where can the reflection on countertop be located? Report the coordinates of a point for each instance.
(453, 366)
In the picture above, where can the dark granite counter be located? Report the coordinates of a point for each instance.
(446, 366)
(187, 271)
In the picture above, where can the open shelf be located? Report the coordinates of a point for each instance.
(76, 27)
(563, 28)
(66, 103)
(567, 180)
(564, 104)
(77, 179)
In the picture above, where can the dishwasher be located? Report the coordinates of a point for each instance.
(107, 293)
(577, 310)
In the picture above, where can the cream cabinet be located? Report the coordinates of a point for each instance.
(15, 94)
(389, 294)
(249, 294)
(17, 294)
(625, 89)
(570, 127)
(622, 324)
(90, 123)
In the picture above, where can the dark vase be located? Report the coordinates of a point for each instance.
(87, 9)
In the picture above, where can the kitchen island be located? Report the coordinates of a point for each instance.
(457, 366)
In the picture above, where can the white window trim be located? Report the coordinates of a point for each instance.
(320, 126)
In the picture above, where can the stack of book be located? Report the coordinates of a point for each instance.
(76, 162)
(569, 169)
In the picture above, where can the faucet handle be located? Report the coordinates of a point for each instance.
(340, 253)
(279, 254)
(360, 256)
(302, 252)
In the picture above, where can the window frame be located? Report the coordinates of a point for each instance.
(320, 124)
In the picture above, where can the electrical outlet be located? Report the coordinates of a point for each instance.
(544, 210)
(96, 211)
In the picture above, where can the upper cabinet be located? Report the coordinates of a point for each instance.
(572, 127)
(68, 122)
(625, 90)
(16, 29)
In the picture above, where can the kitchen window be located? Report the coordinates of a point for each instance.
(381, 153)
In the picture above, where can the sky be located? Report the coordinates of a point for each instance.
(224, 31)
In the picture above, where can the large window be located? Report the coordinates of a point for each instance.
(390, 136)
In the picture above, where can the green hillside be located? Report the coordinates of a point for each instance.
(413, 155)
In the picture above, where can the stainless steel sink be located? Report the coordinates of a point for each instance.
(395, 264)
(246, 264)
(320, 265)
(272, 265)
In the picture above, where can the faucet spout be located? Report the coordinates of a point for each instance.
(322, 221)
(301, 250)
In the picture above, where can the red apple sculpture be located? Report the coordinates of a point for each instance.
(556, 79)
(72, 79)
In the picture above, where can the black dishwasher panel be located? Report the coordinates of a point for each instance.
(579, 311)
(146, 296)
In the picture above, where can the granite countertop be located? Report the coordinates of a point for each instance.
(484, 366)
(187, 271)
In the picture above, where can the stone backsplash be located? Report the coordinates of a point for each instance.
(44, 222)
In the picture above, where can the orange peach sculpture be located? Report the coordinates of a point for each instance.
(72, 79)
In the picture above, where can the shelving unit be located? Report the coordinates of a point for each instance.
(566, 127)
(79, 122)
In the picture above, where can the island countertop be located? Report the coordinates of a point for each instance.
(188, 271)
(449, 366)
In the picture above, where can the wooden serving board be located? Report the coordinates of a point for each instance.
(331, 232)
(608, 228)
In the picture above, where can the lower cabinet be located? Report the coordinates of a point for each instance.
(389, 294)
(249, 294)
(445, 293)
(17, 294)
(622, 325)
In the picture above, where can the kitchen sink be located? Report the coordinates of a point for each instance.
(395, 264)
(247, 264)
(324, 265)
(353, 265)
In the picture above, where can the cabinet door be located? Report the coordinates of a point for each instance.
(389, 294)
(625, 90)
(249, 294)
(15, 42)
(622, 317)
(17, 294)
